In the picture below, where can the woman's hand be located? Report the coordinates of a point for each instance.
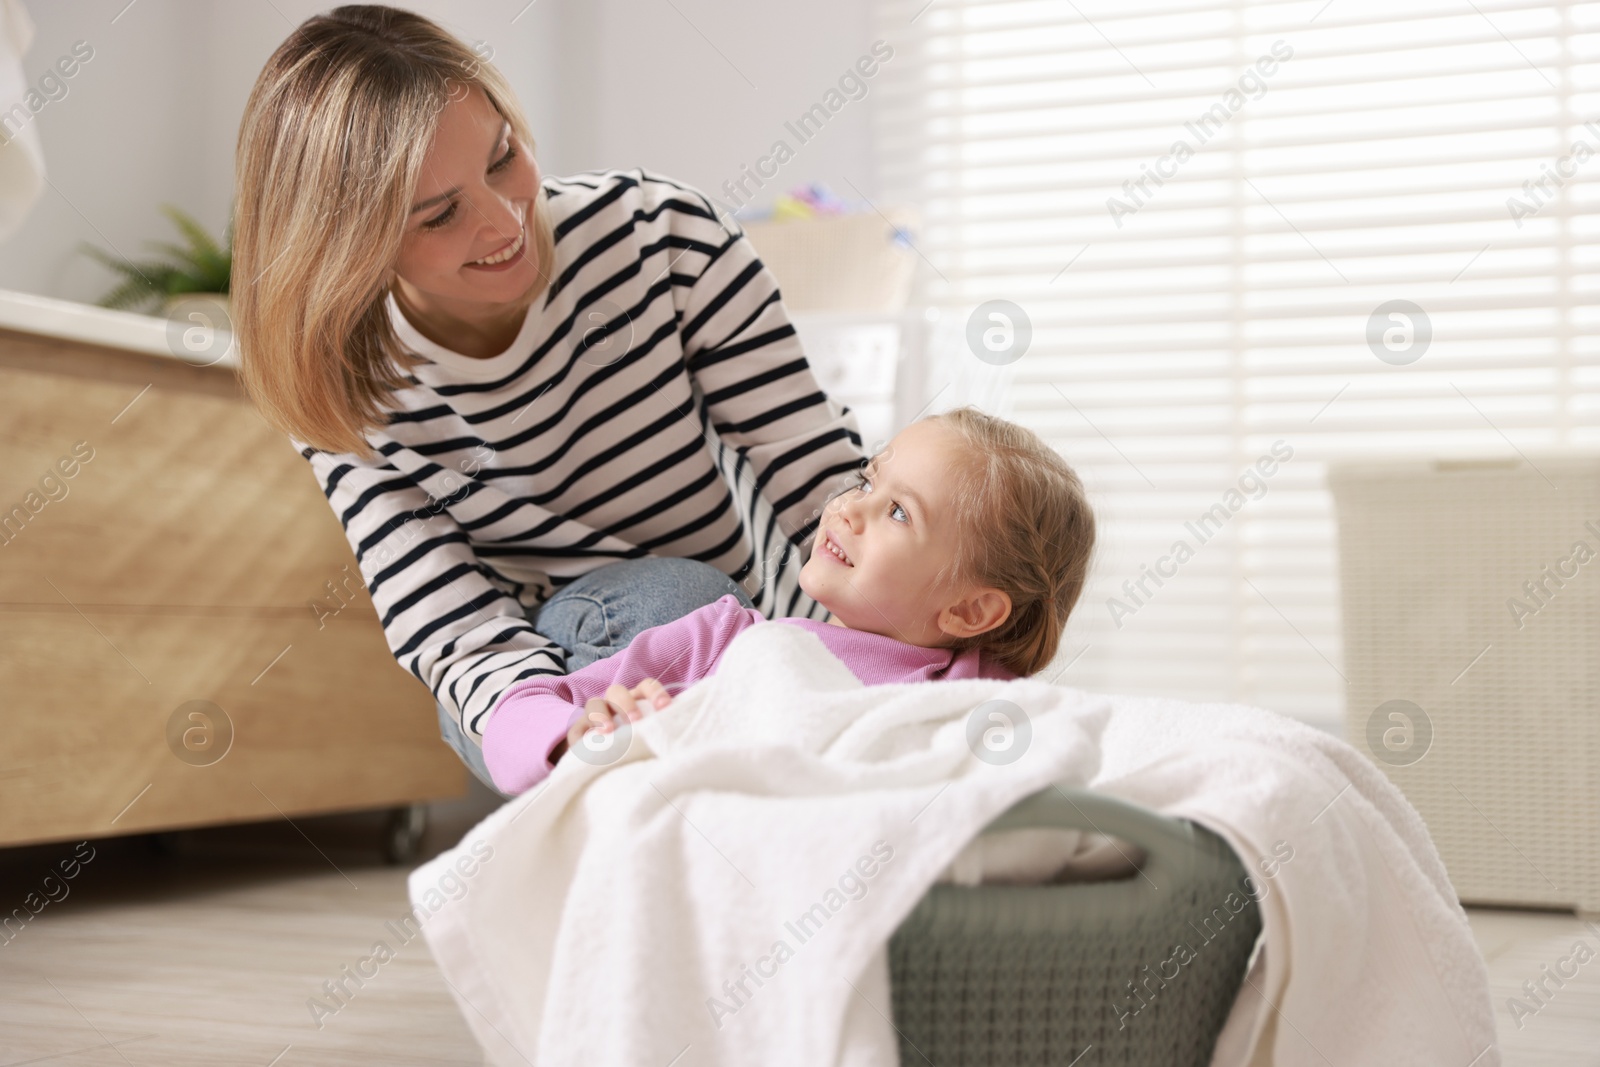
(620, 703)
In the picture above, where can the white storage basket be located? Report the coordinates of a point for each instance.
(1441, 566)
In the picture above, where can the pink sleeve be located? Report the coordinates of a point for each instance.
(534, 714)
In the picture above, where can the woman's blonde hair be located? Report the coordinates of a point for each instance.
(330, 149)
(1025, 527)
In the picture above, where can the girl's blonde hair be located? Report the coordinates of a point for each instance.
(330, 149)
(1024, 526)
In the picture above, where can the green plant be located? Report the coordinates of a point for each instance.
(200, 265)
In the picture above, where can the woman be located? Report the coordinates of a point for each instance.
(529, 400)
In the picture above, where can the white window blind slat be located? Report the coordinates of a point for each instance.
(1229, 310)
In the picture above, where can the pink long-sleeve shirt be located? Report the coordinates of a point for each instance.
(535, 714)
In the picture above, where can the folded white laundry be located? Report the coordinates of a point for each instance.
(1043, 854)
(723, 892)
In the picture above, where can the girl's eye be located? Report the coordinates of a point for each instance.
(440, 219)
(505, 160)
(864, 484)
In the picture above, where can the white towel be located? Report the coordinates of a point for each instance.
(1368, 956)
(21, 154)
(723, 892)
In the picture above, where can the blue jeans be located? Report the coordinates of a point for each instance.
(598, 614)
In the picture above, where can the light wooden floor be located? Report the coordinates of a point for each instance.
(1565, 1030)
(208, 954)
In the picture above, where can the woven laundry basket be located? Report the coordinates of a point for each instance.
(1084, 973)
(1475, 689)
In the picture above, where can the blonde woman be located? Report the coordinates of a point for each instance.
(549, 412)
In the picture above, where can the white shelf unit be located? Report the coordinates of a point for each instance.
(869, 361)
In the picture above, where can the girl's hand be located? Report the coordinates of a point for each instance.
(603, 713)
(619, 703)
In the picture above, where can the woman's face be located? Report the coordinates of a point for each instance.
(474, 202)
(896, 531)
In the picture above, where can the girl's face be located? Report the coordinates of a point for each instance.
(474, 202)
(895, 532)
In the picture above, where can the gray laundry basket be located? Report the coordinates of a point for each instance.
(1085, 974)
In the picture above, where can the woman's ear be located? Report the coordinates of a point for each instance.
(979, 612)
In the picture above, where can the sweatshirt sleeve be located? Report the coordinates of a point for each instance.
(535, 714)
(447, 618)
(745, 357)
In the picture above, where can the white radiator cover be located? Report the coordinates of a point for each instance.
(1448, 605)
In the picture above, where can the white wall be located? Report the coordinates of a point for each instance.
(692, 89)
(108, 143)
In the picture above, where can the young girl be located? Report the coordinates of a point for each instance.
(959, 554)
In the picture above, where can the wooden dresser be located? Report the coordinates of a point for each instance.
(163, 659)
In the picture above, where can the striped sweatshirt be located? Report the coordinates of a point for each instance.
(655, 403)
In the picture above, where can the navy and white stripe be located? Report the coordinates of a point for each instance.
(657, 402)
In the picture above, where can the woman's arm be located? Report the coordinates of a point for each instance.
(535, 715)
(448, 619)
(746, 359)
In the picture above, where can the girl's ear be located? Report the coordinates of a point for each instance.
(981, 611)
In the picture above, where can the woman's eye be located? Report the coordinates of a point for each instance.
(450, 212)
(440, 219)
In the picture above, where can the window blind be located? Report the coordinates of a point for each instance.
(1330, 229)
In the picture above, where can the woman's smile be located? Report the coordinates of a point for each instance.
(507, 257)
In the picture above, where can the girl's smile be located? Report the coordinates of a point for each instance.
(831, 542)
